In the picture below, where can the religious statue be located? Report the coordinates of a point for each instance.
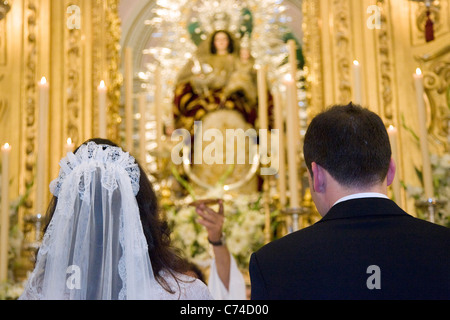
(218, 87)
(220, 76)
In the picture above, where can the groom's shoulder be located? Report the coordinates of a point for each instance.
(291, 241)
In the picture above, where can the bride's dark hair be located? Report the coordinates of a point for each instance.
(162, 254)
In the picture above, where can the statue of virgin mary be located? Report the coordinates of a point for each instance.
(218, 87)
(204, 83)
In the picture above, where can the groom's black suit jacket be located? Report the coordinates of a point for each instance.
(331, 259)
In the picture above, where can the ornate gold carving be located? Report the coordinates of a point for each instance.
(440, 15)
(341, 20)
(30, 82)
(385, 56)
(73, 78)
(312, 51)
(421, 16)
(106, 61)
(113, 63)
(436, 78)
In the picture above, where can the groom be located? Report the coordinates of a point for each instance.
(365, 246)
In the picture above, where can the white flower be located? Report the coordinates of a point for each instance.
(186, 231)
(238, 240)
(185, 214)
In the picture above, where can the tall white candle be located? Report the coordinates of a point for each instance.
(102, 91)
(392, 131)
(292, 141)
(292, 49)
(357, 95)
(4, 219)
(279, 124)
(262, 98)
(129, 99)
(423, 135)
(41, 169)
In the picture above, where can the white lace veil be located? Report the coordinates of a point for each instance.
(94, 246)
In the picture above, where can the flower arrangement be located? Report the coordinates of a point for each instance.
(11, 289)
(440, 166)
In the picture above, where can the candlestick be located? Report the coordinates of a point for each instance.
(4, 219)
(392, 132)
(357, 96)
(279, 124)
(42, 146)
(129, 99)
(431, 206)
(423, 136)
(292, 141)
(102, 91)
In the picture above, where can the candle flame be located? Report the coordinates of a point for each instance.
(69, 141)
(391, 128)
(355, 62)
(43, 80)
(6, 146)
(102, 84)
(418, 71)
(288, 77)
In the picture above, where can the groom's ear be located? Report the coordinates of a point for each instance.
(391, 172)
(318, 177)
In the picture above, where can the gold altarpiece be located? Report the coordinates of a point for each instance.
(35, 41)
(336, 32)
(74, 50)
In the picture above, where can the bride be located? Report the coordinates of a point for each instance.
(106, 238)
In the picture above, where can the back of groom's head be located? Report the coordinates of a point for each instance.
(351, 143)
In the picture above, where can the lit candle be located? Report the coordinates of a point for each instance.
(279, 124)
(4, 221)
(262, 98)
(102, 90)
(42, 146)
(357, 96)
(392, 131)
(292, 141)
(69, 145)
(129, 99)
(423, 136)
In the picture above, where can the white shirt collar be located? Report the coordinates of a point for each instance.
(362, 195)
